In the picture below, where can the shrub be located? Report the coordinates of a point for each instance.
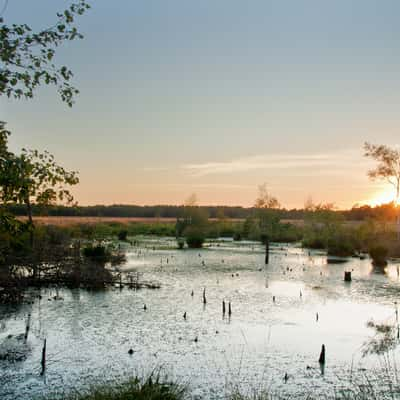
(158, 228)
(379, 255)
(97, 253)
(181, 243)
(313, 242)
(195, 237)
(286, 233)
(264, 237)
(94, 273)
(228, 229)
(213, 231)
(122, 235)
(340, 246)
(237, 236)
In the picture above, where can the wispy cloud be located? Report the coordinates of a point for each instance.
(194, 186)
(155, 169)
(335, 160)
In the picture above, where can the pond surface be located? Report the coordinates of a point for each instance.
(89, 333)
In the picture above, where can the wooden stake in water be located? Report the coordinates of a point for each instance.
(229, 309)
(266, 251)
(347, 276)
(43, 362)
(28, 325)
(223, 307)
(322, 355)
(204, 296)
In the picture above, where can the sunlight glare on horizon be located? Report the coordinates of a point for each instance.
(385, 196)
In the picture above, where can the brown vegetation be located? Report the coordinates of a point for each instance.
(69, 221)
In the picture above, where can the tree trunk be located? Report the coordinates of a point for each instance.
(31, 238)
(30, 220)
(398, 223)
(266, 251)
(397, 207)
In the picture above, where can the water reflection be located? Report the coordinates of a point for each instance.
(281, 314)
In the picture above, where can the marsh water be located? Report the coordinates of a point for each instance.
(89, 333)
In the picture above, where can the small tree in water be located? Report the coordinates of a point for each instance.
(266, 207)
(388, 169)
(193, 224)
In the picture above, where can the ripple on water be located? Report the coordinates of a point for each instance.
(89, 333)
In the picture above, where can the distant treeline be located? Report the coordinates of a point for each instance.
(358, 213)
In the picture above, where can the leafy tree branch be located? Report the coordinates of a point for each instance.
(27, 57)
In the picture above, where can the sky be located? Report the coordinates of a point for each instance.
(216, 97)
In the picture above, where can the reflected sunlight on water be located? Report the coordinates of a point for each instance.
(89, 334)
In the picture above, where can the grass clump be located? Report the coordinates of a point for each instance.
(135, 389)
(383, 340)
(256, 395)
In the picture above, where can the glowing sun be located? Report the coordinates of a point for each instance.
(384, 197)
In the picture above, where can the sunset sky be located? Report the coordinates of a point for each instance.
(218, 96)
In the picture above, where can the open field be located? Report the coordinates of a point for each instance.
(390, 226)
(68, 221)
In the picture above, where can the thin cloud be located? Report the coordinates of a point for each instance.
(156, 169)
(197, 185)
(339, 160)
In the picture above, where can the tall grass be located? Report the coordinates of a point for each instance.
(113, 229)
(372, 385)
(153, 388)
